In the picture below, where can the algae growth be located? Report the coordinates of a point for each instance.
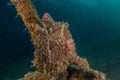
(55, 55)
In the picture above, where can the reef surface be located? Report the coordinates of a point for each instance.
(55, 55)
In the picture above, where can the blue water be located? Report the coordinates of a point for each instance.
(94, 24)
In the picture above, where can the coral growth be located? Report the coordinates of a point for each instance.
(55, 55)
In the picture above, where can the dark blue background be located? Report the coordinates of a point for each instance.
(95, 28)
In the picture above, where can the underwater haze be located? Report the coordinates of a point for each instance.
(73, 2)
(94, 24)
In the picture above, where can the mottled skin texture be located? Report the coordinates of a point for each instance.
(54, 47)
